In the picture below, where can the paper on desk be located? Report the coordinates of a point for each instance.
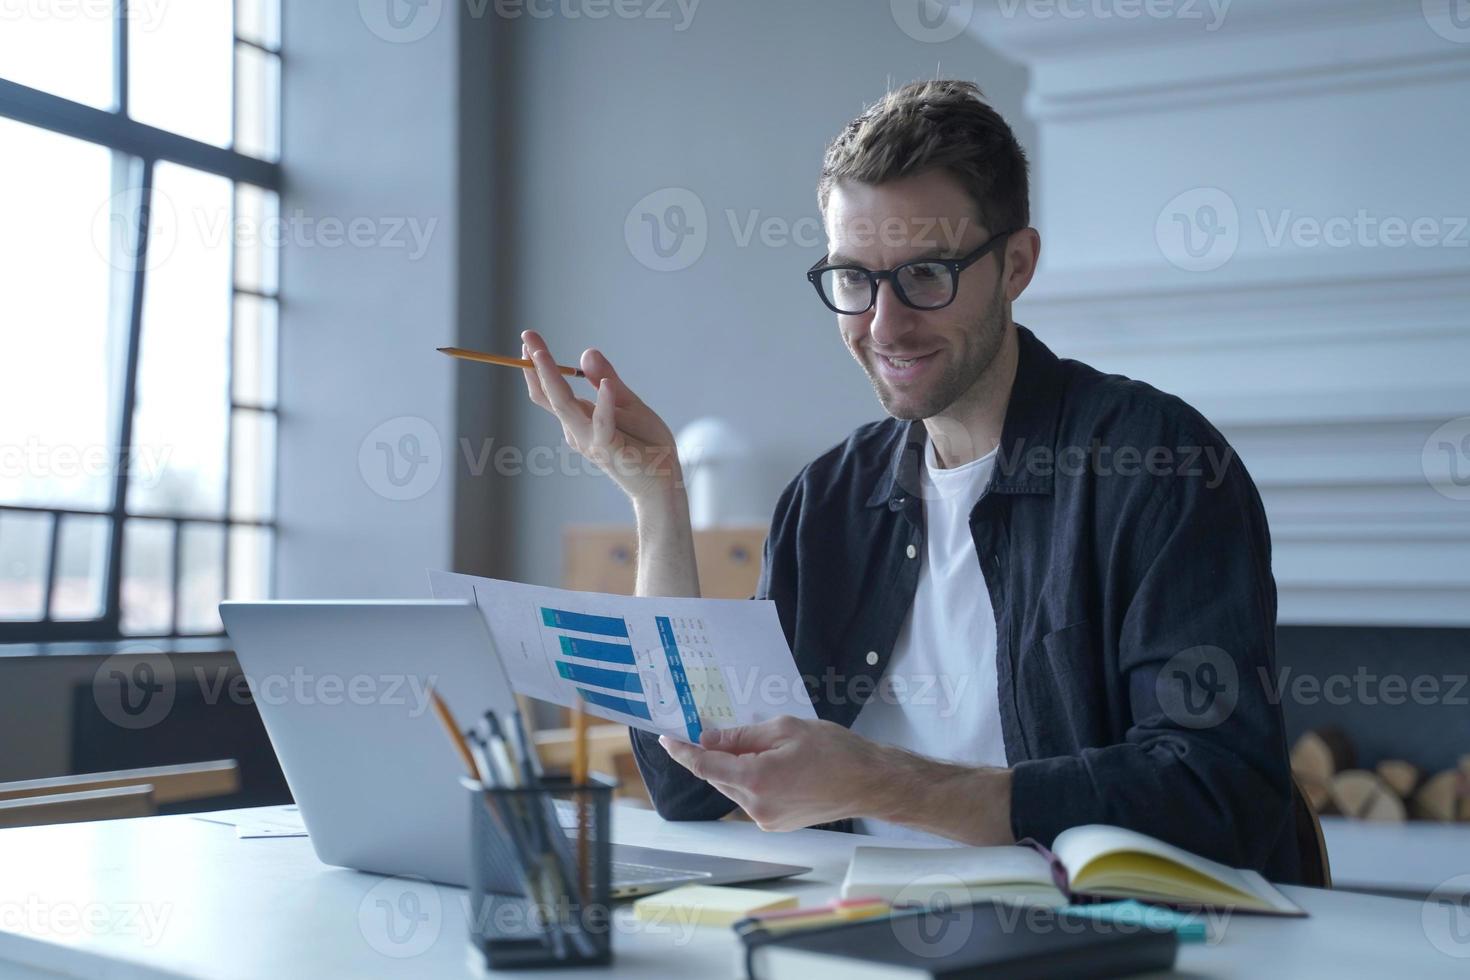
(670, 666)
(275, 821)
(265, 829)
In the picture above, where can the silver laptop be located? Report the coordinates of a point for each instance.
(342, 688)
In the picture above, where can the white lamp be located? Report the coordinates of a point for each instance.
(720, 474)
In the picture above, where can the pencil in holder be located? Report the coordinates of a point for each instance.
(541, 894)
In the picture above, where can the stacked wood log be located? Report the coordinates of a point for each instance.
(1325, 766)
(1445, 796)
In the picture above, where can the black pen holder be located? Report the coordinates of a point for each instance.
(540, 892)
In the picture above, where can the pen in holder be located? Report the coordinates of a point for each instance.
(527, 906)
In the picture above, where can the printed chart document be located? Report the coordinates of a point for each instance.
(670, 666)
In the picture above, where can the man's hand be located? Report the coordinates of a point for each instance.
(786, 773)
(629, 442)
(790, 773)
(618, 432)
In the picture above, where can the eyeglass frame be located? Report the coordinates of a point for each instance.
(876, 276)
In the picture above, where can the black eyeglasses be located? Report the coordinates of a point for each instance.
(925, 284)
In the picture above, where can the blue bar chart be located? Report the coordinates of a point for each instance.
(593, 649)
(668, 665)
(616, 680)
(638, 709)
(584, 622)
(612, 653)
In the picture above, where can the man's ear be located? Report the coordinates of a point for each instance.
(1023, 249)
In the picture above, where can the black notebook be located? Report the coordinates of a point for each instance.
(991, 940)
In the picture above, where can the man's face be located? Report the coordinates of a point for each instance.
(919, 361)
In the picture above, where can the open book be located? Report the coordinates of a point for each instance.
(1092, 861)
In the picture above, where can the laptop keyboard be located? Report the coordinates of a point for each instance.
(625, 873)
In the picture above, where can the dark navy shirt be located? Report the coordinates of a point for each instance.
(1128, 561)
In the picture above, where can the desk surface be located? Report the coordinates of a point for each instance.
(175, 896)
(1419, 856)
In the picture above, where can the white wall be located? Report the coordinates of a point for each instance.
(1335, 363)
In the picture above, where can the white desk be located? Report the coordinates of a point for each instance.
(1418, 856)
(175, 896)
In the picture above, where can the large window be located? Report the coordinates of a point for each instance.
(138, 314)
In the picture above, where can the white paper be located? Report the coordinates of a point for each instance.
(670, 666)
(897, 866)
(957, 874)
(274, 821)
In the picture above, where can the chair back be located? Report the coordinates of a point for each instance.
(1310, 843)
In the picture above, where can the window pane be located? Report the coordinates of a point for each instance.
(25, 540)
(257, 234)
(58, 386)
(250, 562)
(180, 69)
(183, 395)
(81, 568)
(252, 470)
(257, 97)
(259, 21)
(148, 562)
(254, 368)
(201, 578)
(61, 48)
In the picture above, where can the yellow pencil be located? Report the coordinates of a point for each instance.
(579, 781)
(455, 735)
(502, 360)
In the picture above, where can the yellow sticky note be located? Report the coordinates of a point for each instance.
(708, 905)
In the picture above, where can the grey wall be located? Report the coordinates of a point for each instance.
(736, 108)
(369, 132)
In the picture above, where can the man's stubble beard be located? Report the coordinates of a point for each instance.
(986, 339)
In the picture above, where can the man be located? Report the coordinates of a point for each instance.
(1034, 597)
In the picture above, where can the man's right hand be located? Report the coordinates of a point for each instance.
(629, 442)
(619, 433)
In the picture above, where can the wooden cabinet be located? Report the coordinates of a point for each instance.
(605, 559)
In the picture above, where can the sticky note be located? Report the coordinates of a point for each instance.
(1188, 926)
(708, 905)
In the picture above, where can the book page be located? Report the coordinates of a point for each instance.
(884, 872)
(1080, 846)
(670, 666)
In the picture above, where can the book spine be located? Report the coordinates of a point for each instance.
(754, 936)
(753, 939)
(1059, 875)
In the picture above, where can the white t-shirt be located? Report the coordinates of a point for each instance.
(939, 697)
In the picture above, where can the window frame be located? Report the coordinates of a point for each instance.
(143, 147)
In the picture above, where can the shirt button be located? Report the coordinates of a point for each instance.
(912, 552)
(872, 658)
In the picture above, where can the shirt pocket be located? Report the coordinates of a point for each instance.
(1059, 691)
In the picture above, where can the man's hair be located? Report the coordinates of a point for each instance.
(942, 124)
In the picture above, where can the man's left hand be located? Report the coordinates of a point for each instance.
(787, 773)
(790, 773)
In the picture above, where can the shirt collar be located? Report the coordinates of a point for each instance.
(1030, 422)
